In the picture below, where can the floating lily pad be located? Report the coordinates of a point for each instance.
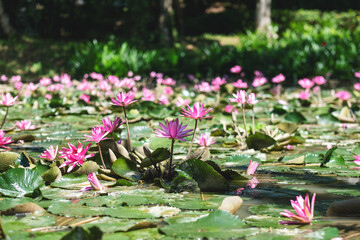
(19, 182)
(218, 224)
(207, 178)
(126, 169)
(295, 117)
(258, 141)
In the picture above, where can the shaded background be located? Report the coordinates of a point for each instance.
(199, 37)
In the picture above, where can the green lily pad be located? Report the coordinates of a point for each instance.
(258, 141)
(218, 224)
(92, 233)
(207, 178)
(347, 192)
(295, 117)
(269, 209)
(126, 169)
(183, 182)
(157, 156)
(326, 118)
(19, 182)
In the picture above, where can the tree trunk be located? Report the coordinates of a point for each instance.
(166, 22)
(5, 22)
(263, 15)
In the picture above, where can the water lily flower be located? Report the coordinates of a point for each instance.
(152, 74)
(218, 81)
(304, 95)
(205, 140)
(123, 99)
(4, 140)
(357, 74)
(163, 100)
(18, 85)
(278, 78)
(74, 155)
(239, 97)
(168, 81)
(173, 130)
(319, 80)
(306, 83)
(25, 125)
(343, 95)
(230, 108)
(180, 102)
(45, 81)
(3, 78)
(251, 99)
(168, 90)
(235, 69)
(94, 182)
(148, 95)
(289, 147)
(197, 112)
(304, 210)
(357, 86)
(97, 134)
(7, 100)
(252, 167)
(252, 183)
(49, 154)
(240, 84)
(112, 126)
(16, 78)
(357, 161)
(203, 87)
(259, 81)
(85, 98)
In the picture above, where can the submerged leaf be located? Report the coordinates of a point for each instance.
(258, 141)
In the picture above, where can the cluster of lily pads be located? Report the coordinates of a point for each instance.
(133, 158)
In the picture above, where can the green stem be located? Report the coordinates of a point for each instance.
(192, 141)
(171, 158)
(253, 120)
(101, 157)
(3, 121)
(243, 113)
(128, 130)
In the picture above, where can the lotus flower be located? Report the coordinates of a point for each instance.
(49, 154)
(305, 211)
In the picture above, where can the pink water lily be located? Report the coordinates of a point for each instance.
(252, 167)
(205, 140)
(94, 182)
(357, 161)
(173, 130)
(343, 95)
(123, 99)
(7, 100)
(240, 84)
(306, 83)
(235, 69)
(357, 74)
(97, 134)
(74, 155)
(304, 210)
(319, 80)
(251, 99)
(278, 78)
(259, 81)
(196, 112)
(357, 86)
(304, 95)
(25, 125)
(4, 140)
(112, 126)
(218, 81)
(239, 97)
(49, 154)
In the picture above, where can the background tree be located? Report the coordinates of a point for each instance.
(5, 22)
(263, 15)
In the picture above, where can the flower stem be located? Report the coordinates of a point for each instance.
(320, 98)
(192, 141)
(3, 121)
(253, 120)
(171, 157)
(102, 160)
(128, 130)
(243, 113)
